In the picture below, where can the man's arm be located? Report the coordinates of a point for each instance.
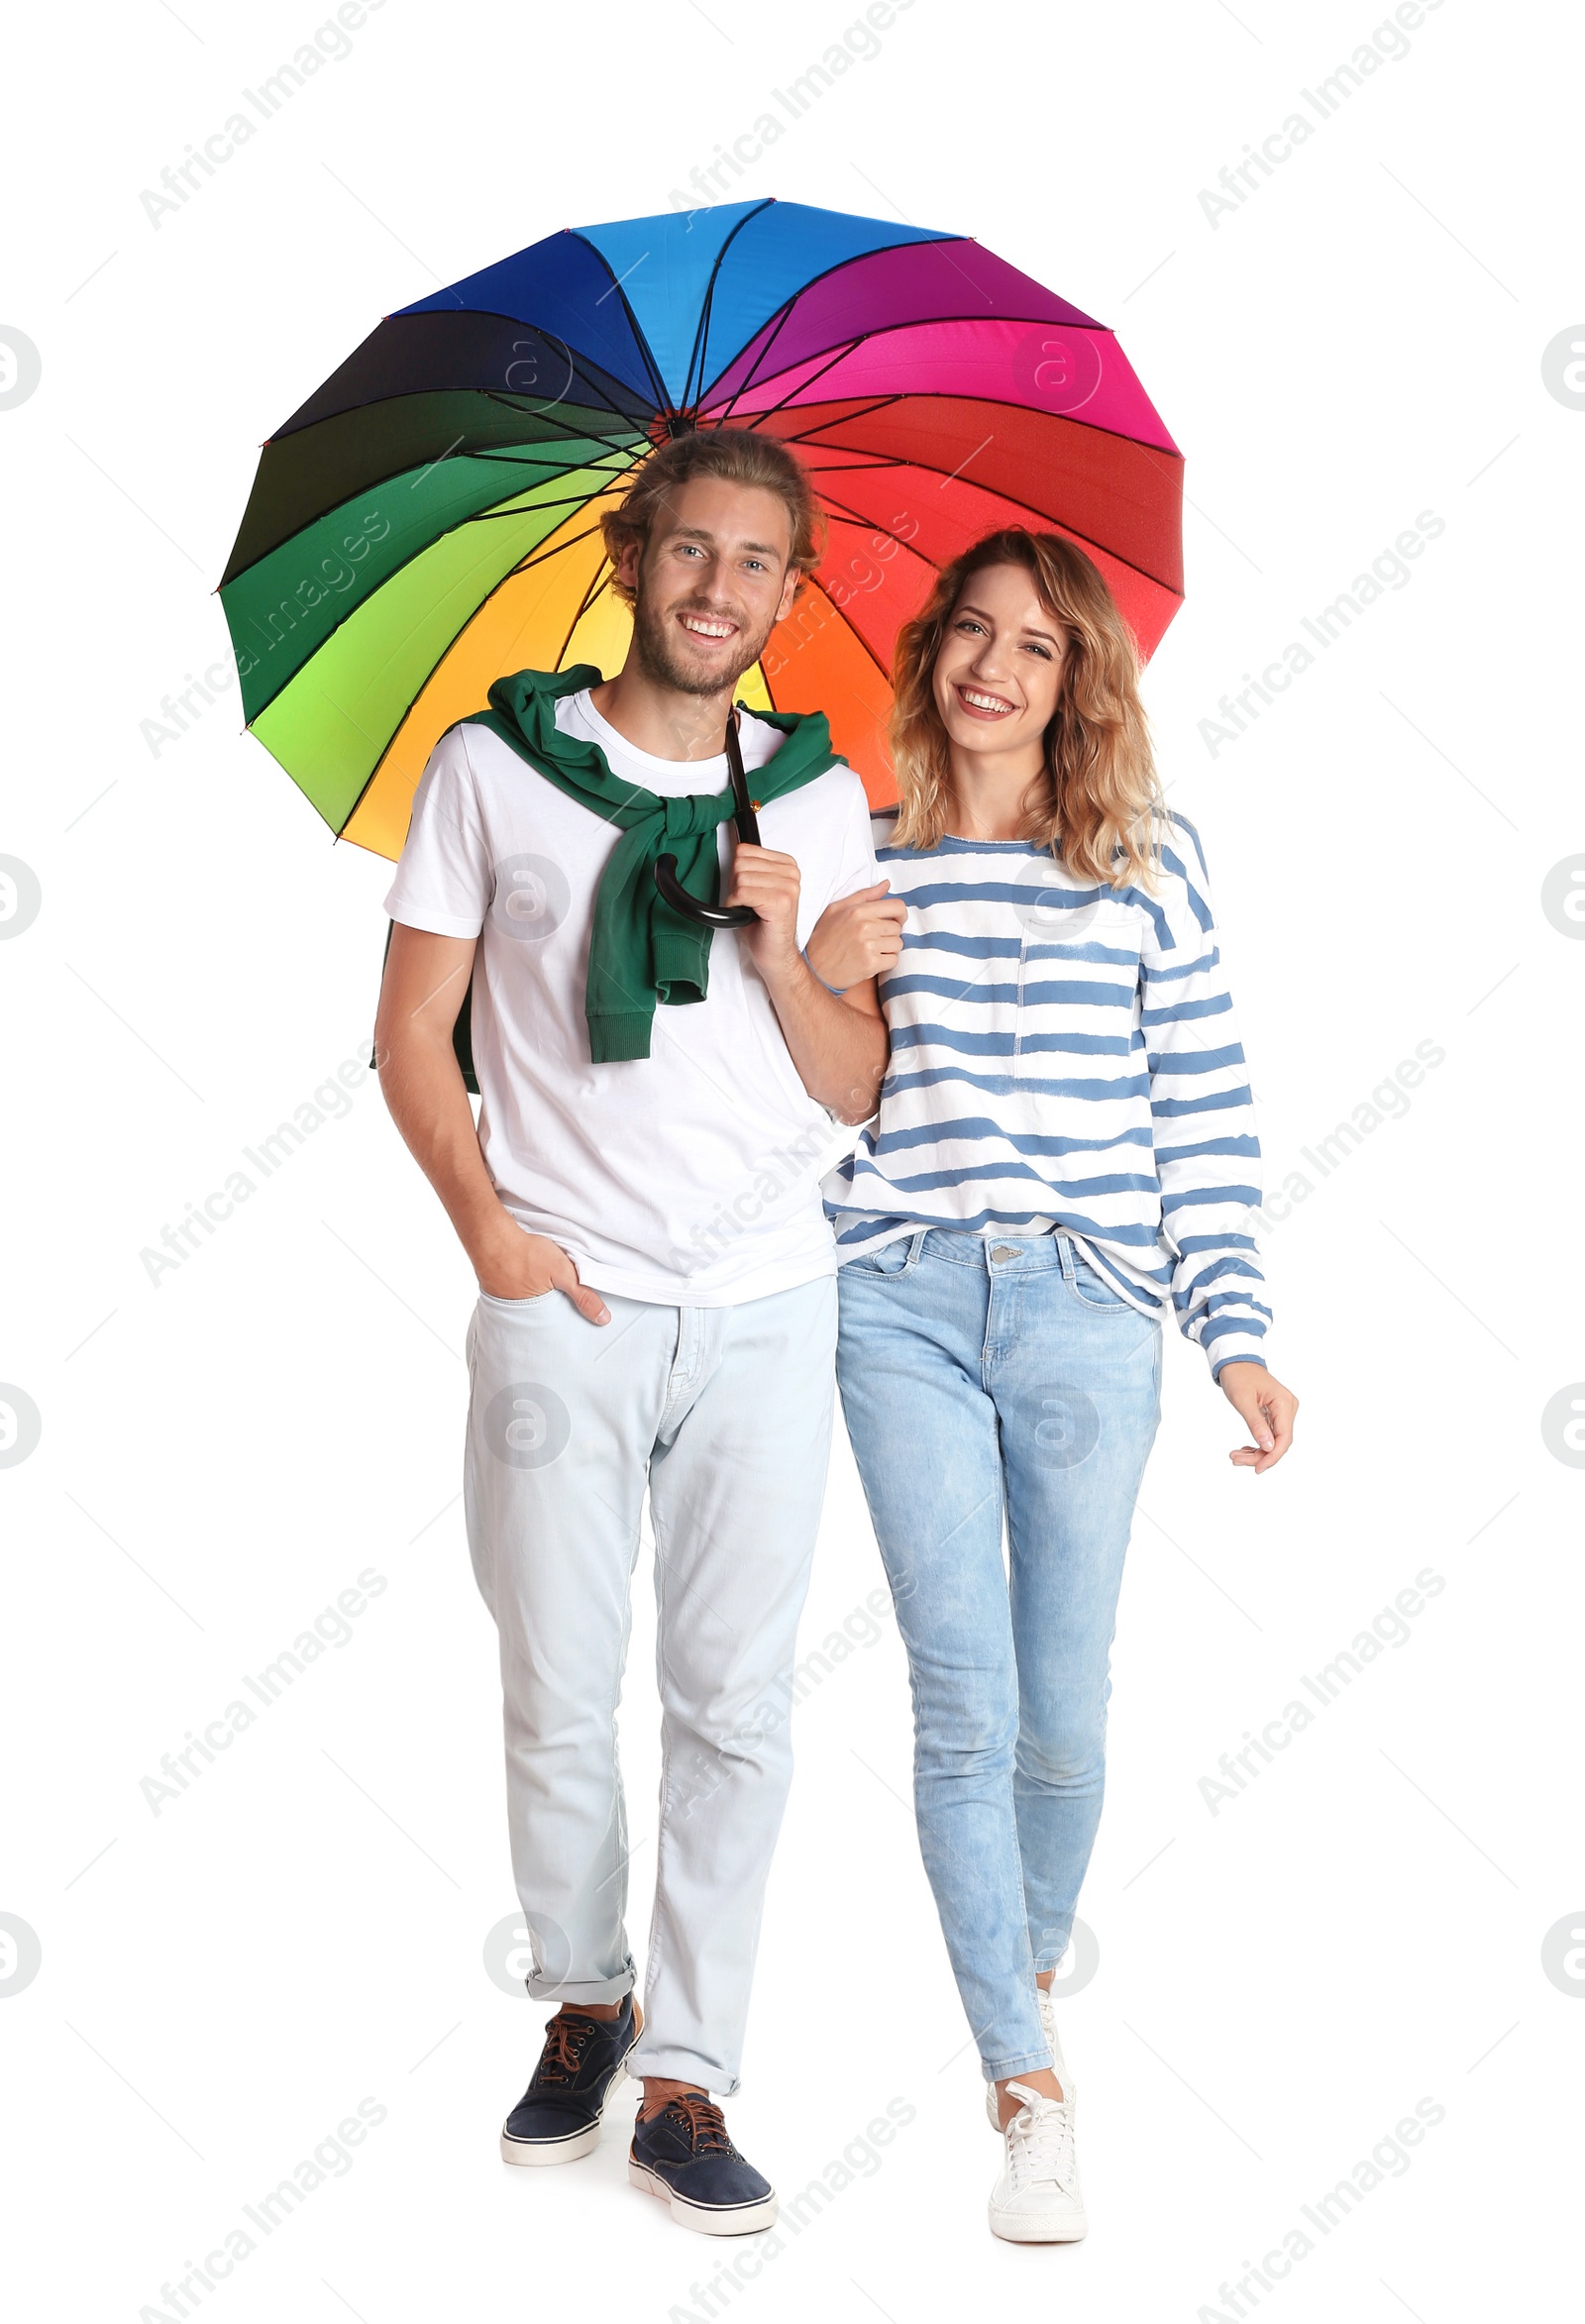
(837, 1043)
(425, 980)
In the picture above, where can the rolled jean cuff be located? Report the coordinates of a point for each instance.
(576, 1989)
(1008, 2069)
(679, 2066)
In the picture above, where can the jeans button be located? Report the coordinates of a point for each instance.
(1004, 1250)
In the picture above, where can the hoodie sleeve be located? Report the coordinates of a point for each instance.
(1207, 1156)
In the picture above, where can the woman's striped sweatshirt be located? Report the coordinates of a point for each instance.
(1064, 1055)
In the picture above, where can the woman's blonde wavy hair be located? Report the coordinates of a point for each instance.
(1097, 806)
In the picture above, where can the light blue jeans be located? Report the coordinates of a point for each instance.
(723, 1416)
(993, 1381)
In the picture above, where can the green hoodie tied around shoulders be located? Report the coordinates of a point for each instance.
(642, 952)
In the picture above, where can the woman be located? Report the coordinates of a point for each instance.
(1064, 1150)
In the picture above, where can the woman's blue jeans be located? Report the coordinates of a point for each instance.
(987, 1382)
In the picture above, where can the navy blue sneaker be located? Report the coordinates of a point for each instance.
(558, 2117)
(684, 2155)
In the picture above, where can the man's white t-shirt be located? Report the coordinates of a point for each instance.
(689, 1177)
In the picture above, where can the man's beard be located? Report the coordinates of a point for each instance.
(660, 662)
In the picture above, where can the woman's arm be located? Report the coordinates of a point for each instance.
(1207, 1155)
(859, 936)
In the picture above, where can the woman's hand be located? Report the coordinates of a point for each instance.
(1267, 1411)
(857, 937)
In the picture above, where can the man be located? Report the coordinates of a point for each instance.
(657, 1296)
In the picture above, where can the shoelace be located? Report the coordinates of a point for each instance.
(1040, 2145)
(702, 2120)
(566, 2040)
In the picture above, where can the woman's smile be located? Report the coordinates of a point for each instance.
(982, 704)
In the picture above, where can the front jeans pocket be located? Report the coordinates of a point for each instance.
(1089, 1287)
(899, 1257)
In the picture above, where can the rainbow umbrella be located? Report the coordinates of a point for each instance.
(429, 519)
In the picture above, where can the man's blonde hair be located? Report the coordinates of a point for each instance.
(740, 455)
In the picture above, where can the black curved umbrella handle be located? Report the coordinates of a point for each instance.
(712, 915)
(717, 915)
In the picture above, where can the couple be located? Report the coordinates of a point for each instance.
(1024, 1003)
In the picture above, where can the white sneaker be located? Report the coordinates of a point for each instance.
(1038, 2199)
(1048, 2027)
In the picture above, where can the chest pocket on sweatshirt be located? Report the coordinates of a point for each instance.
(1077, 984)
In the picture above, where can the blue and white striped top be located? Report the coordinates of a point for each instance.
(1064, 1055)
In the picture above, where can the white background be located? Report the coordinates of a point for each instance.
(1278, 1983)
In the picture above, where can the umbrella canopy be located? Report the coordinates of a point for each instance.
(429, 519)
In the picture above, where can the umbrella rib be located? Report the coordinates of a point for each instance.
(591, 468)
(595, 588)
(865, 411)
(584, 370)
(838, 348)
(923, 467)
(604, 396)
(527, 564)
(539, 556)
(528, 456)
(569, 434)
(1154, 452)
(858, 637)
(856, 259)
(780, 322)
(834, 357)
(511, 508)
(834, 354)
(702, 331)
(1002, 403)
(857, 516)
(569, 430)
(349, 612)
(656, 384)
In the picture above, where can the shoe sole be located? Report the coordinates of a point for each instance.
(745, 2219)
(538, 2153)
(1019, 2228)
